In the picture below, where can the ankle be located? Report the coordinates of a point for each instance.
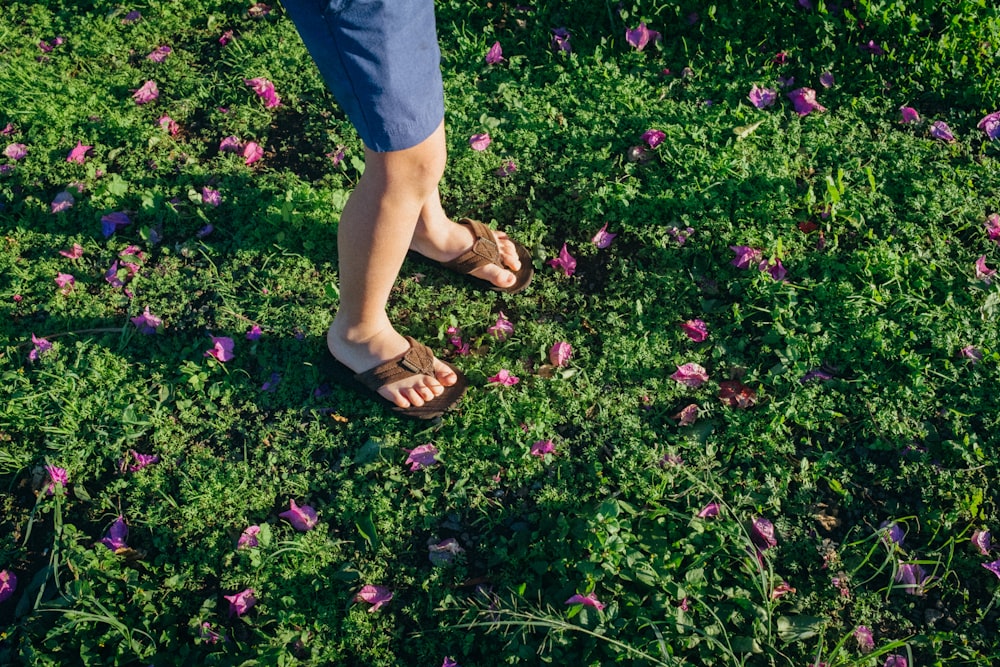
(356, 332)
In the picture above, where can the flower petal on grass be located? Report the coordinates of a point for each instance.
(690, 374)
(804, 101)
(78, 154)
(41, 346)
(687, 416)
(908, 115)
(423, 456)
(560, 40)
(376, 596)
(984, 272)
(112, 222)
(696, 330)
(982, 541)
(147, 323)
(222, 348)
(892, 533)
(640, 37)
(896, 660)
(993, 567)
(147, 93)
(564, 262)
(735, 394)
(252, 152)
(863, 636)
(443, 552)
(762, 534)
(62, 202)
(993, 227)
(709, 510)
(240, 603)
(603, 238)
(653, 138)
(588, 600)
(248, 538)
(159, 54)
(479, 142)
(745, 256)
(911, 578)
(495, 54)
(8, 584)
(502, 328)
(302, 518)
(265, 91)
(560, 353)
(504, 377)
(990, 124)
(16, 151)
(115, 538)
(940, 130)
(542, 447)
(762, 98)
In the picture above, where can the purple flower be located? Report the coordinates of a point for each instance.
(114, 539)
(443, 552)
(147, 323)
(504, 377)
(709, 510)
(745, 256)
(112, 222)
(65, 281)
(863, 636)
(226, 37)
(762, 534)
(506, 169)
(230, 144)
(210, 635)
(774, 268)
(302, 518)
(588, 600)
(560, 353)
(159, 54)
(41, 347)
(147, 93)
(210, 196)
(762, 98)
(911, 578)
(252, 152)
(272, 383)
(981, 539)
(141, 461)
(993, 227)
(502, 328)
(892, 533)
(265, 91)
(240, 603)
(254, 332)
(908, 115)
(248, 538)
(687, 416)
(132, 17)
(423, 456)
(972, 353)
(873, 48)
(565, 262)
(984, 272)
(560, 40)
(993, 567)
(376, 596)
(479, 142)
(8, 584)
(895, 660)
(63, 202)
(542, 447)
(222, 348)
(815, 374)
(990, 124)
(603, 238)
(653, 138)
(940, 130)
(691, 375)
(640, 37)
(448, 662)
(804, 101)
(16, 151)
(494, 55)
(680, 236)
(79, 153)
(695, 330)
(826, 79)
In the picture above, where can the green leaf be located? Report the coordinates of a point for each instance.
(799, 628)
(366, 526)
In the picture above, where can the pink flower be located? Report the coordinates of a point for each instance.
(972, 353)
(826, 80)
(240, 603)
(57, 476)
(231, 144)
(774, 268)
(494, 55)
(990, 124)
(226, 37)
(169, 125)
(222, 348)
(78, 154)
(691, 375)
(141, 461)
(504, 377)
(940, 130)
(15, 151)
(62, 202)
(248, 538)
(254, 332)
(687, 415)
(41, 346)
(565, 261)
(745, 256)
(993, 227)
(542, 447)
(908, 115)
(506, 169)
(147, 323)
(993, 567)
(639, 38)
(560, 40)
(603, 238)
(863, 636)
(159, 54)
(479, 142)
(423, 456)
(448, 662)
(982, 541)
(147, 93)
(762, 98)
(709, 510)
(115, 538)
(210, 196)
(984, 272)
(762, 534)
(265, 91)
(911, 578)
(653, 138)
(560, 353)
(210, 635)
(896, 660)
(65, 281)
(502, 328)
(376, 596)
(302, 518)
(8, 584)
(76, 252)
(781, 589)
(588, 600)
(804, 101)
(443, 552)
(872, 48)
(695, 330)
(252, 152)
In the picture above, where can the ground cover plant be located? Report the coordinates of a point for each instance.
(745, 414)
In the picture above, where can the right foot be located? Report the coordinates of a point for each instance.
(362, 352)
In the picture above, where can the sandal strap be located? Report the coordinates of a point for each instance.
(484, 250)
(418, 360)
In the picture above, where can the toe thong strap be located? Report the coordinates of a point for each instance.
(418, 360)
(484, 250)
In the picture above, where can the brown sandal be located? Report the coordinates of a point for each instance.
(485, 251)
(418, 360)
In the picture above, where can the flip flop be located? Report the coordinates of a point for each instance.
(485, 251)
(418, 360)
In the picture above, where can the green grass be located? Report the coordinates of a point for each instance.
(881, 294)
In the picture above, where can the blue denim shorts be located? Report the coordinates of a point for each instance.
(381, 61)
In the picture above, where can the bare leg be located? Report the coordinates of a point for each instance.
(375, 232)
(438, 238)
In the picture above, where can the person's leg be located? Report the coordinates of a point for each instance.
(438, 238)
(375, 231)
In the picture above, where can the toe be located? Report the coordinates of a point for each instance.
(508, 252)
